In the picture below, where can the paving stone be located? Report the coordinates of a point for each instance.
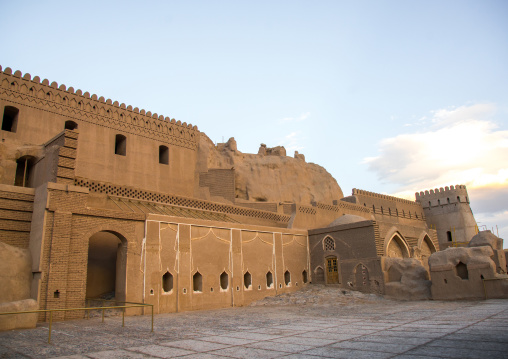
(244, 352)
(392, 339)
(380, 328)
(458, 353)
(160, 351)
(196, 345)
(118, 354)
(397, 348)
(331, 352)
(471, 344)
(282, 347)
(227, 340)
(308, 341)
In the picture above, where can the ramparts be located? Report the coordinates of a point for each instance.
(91, 108)
(442, 196)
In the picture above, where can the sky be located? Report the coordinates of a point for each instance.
(392, 97)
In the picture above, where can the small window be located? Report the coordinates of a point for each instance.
(269, 280)
(448, 200)
(24, 171)
(224, 281)
(197, 282)
(449, 236)
(71, 125)
(163, 155)
(167, 282)
(120, 145)
(287, 278)
(247, 280)
(329, 244)
(304, 276)
(461, 271)
(10, 119)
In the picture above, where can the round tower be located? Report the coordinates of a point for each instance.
(447, 210)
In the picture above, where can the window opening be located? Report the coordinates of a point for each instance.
(120, 145)
(247, 280)
(329, 244)
(287, 278)
(167, 282)
(304, 276)
(197, 282)
(449, 236)
(163, 155)
(269, 280)
(461, 270)
(23, 171)
(71, 125)
(10, 119)
(224, 281)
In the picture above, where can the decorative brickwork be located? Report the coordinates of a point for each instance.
(129, 192)
(221, 183)
(16, 207)
(77, 106)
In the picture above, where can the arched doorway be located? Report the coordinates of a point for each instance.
(106, 271)
(332, 270)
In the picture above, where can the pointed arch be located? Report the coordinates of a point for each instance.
(395, 245)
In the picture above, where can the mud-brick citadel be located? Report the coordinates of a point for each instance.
(98, 198)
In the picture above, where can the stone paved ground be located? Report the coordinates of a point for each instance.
(319, 322)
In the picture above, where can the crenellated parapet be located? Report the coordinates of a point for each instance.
(76, 105)
(381, 204)
(382, 196)
(442, 196)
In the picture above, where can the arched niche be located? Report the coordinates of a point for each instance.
(106, 268)
(397, 247)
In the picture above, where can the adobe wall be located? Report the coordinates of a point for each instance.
(354, 246)
(59, 246)
(180, 248)
(447, 210)
(16, 207)
(398, 216)
(44, 109)
(319, 215)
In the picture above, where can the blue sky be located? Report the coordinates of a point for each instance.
(388, 96)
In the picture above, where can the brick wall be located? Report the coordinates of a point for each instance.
(16, 207)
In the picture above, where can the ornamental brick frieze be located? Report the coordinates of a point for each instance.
(88, 108)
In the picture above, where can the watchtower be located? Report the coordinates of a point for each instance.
(448, 211)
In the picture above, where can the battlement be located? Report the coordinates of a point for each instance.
(442, 196)
(382, 196)
(74, 102)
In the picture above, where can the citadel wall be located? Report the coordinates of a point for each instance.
(448, 211)
(147, 208)
(118, 143)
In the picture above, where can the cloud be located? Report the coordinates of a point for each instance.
(292, 142)
(452, 146)
(301, 118)
(460, 146)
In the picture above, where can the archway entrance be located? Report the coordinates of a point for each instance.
(332, 270)
(397, 248)
(106, 272)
